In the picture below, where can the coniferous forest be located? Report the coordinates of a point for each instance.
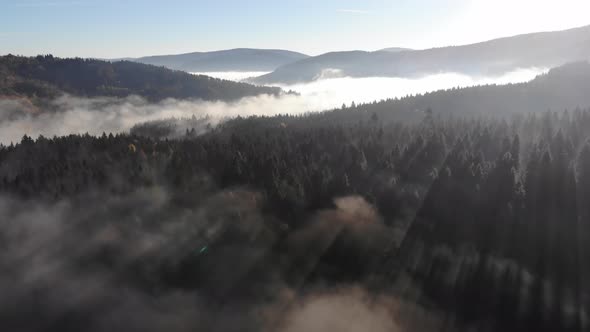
(482, 223)
(45, 77)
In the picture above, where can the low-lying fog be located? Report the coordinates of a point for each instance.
(330, 93)
(233, 75)
(98, 115)
(333, 92)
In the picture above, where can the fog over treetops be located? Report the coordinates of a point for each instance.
(75, 114)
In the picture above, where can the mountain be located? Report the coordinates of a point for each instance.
(494, 57)
(45, 77)
(239, 59)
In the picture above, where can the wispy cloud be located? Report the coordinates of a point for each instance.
(51, 4)
(354, 11)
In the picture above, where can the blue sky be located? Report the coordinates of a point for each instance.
(119, 28)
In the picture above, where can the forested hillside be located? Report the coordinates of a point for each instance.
(44, 77)
(490, 215)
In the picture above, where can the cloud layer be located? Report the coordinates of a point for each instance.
(74, 115)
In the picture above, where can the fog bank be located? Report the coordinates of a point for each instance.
(332, 92)
(232, 75)
(76, 115)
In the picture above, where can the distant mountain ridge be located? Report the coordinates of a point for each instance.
(239, 59)
(494, 57)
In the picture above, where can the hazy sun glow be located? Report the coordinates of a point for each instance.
(482, 19)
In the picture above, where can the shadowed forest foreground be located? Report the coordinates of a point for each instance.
(265, 223)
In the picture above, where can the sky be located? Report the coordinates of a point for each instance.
(132, 28)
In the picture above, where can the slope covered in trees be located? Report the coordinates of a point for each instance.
(44, 77)
(489, 215)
